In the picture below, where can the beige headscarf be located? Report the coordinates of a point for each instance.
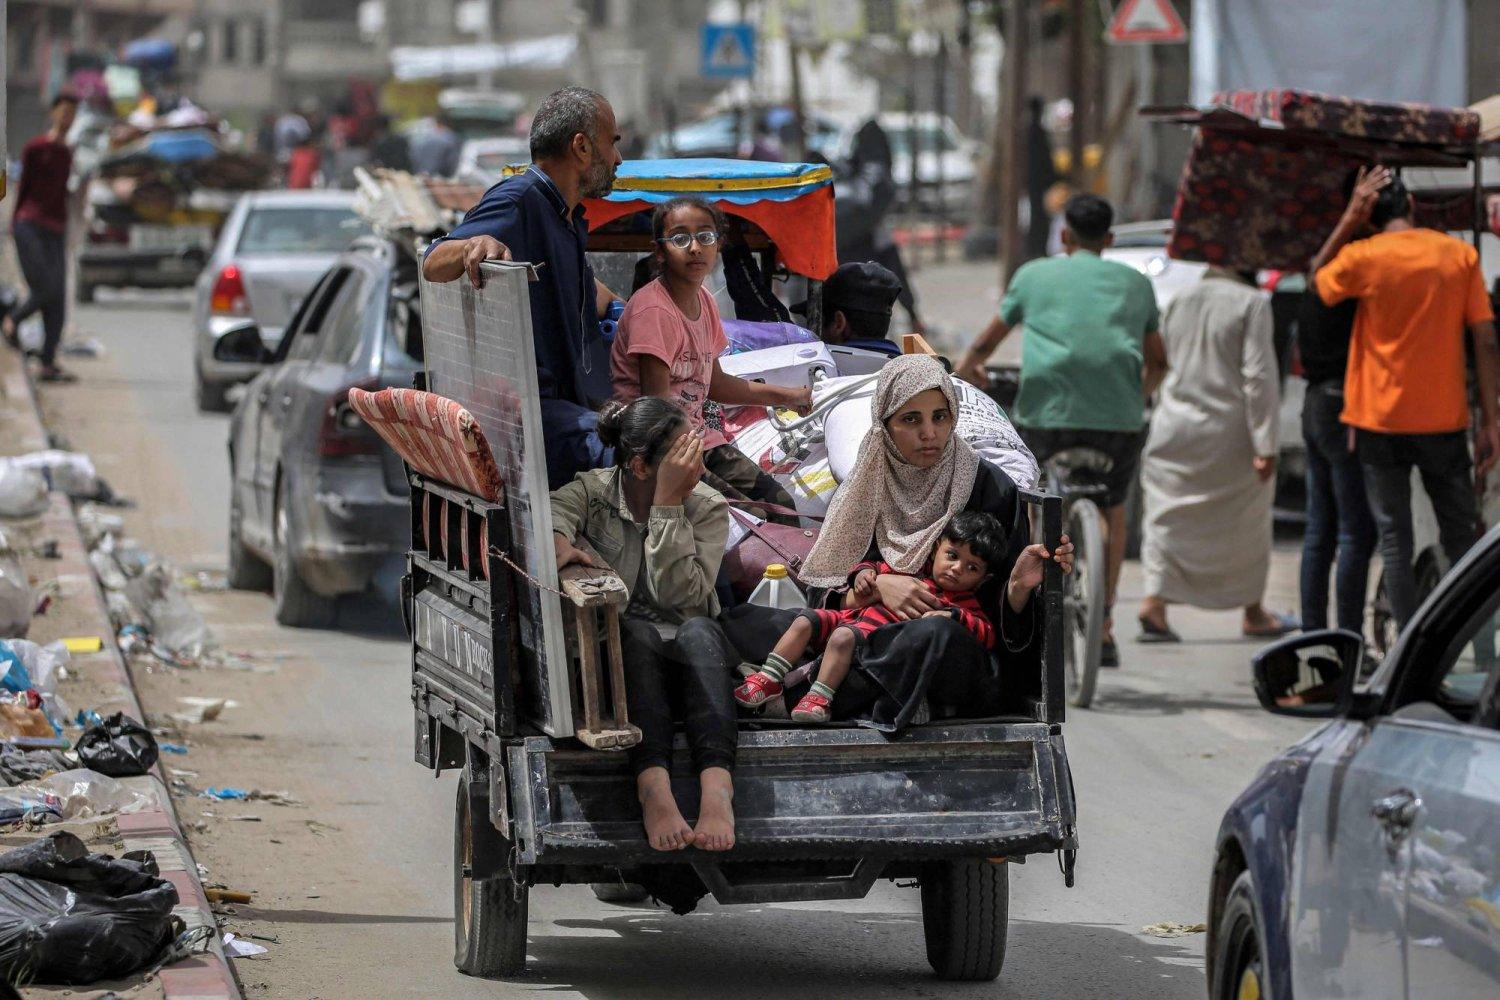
(903, 508)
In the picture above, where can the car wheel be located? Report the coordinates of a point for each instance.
(296, 604)
(1239, 965)
(213, 397)
(246, 570)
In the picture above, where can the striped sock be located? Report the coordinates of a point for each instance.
(776, 667)
(823, 689)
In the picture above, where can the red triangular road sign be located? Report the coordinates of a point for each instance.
(1147, 21)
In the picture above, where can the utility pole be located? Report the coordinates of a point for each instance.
(1010, 136)
(1077, 73)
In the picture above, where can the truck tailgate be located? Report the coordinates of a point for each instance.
(971, 789)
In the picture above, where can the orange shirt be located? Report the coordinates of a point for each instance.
(1417, 289)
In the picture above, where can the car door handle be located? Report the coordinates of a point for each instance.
(1397, 812)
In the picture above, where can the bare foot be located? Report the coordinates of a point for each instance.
(665, 828)
(715, 829)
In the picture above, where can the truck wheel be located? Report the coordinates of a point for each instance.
(296, 605)
(489, 915)
(619, 893)
(965, 916)
(1239, 969)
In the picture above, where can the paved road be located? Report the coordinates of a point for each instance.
(355, 886)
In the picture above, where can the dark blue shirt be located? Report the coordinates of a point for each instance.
(527, 213)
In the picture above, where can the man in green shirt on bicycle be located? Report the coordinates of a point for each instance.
(1091, 354)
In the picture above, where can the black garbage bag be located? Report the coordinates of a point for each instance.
(18, 765)
(119, 747)
(71, 917)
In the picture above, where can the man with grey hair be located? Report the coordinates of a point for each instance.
(537, 216)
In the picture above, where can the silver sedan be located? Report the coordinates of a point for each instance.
(273, 248)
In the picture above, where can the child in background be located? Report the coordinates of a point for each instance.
(961, 561)
(669, 340)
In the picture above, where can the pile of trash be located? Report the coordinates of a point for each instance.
(26, 479)
(68, 916)
(30, 707)
(145, 597)
(47, 779)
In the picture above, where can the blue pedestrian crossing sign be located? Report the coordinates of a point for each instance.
(728, 50)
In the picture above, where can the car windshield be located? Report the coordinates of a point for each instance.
(298, 230)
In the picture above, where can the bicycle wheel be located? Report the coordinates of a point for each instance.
(1083, 604)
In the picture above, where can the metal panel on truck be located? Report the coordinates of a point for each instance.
(479, 352)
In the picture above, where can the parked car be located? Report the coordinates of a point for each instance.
(317, 501)
(945, 158)
(484, 160)
(724, 133)
(1364, 860)
(273, 247)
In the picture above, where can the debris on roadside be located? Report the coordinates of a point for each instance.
(68, 916)
(1173, 929)
(81, 794)
(83, 347)
(67, 472)
(219, 894)
(228, 794)
(16, 599)
(23, 492)
(198, 710)
(237, 947)
(118, 746)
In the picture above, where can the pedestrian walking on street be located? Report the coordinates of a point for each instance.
(1091, 355)
(40, 226)
(1208, 473)
(1339, 524)
(1405, 392)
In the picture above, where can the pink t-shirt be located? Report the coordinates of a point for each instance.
(652, 324)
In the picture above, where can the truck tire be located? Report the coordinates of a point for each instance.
(295, 604)
(965, 917)
(619, 893)
(489, 915)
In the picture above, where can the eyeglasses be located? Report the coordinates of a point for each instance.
(682, 241)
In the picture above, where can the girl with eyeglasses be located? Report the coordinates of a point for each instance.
(670, 338)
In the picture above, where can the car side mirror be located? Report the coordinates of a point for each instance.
(1309, 676)
(242, 344)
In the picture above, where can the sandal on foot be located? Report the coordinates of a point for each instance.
(812, 708)
(55, 374)
(1152, 632)
(1109, 654)
(757, 690)
(1282, 624)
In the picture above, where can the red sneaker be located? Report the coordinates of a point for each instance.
(757, 690)
(812, 708)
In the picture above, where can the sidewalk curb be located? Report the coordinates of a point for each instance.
(201, 977)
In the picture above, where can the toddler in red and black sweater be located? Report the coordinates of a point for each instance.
(960, 562)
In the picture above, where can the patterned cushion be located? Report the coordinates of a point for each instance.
(433, 435)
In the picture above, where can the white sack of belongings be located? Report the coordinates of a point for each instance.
(981, 422)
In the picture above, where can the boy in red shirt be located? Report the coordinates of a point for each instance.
(39, 227)
(961, 561)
